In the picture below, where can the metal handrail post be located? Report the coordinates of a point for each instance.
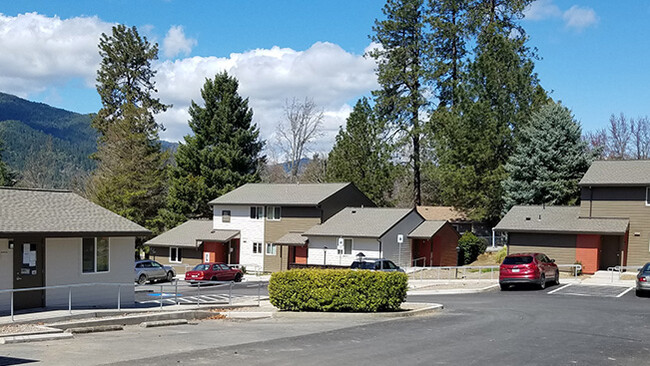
(12, 306)
(176, 291)
(230, 293)
(259, 292)
(70, 299)
(119, 297)
(198, 293)
(161, 296)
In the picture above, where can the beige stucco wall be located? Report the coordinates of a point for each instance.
(63, 266)
(6, 272)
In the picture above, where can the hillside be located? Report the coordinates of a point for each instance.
(49, 147)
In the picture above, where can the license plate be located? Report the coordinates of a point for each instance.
(515, 269)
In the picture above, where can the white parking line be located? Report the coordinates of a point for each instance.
(625, 292)
(559, 288)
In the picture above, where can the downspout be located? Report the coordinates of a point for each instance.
(381, 255)
(591, 197)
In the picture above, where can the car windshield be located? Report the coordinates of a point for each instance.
(362, 265)
(518, 260)
(201, 267)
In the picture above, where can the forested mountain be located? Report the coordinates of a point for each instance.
(48, 147)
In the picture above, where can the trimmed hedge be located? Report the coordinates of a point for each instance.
(337, 290)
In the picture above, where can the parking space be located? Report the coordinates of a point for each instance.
(171, 299)
(591, 290)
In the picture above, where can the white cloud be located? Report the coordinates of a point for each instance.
(580, 18)
(542, 9)
(39, 52)
(325, 72)
(176, 43)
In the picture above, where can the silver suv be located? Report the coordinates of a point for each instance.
(379, 264)
(148, 270)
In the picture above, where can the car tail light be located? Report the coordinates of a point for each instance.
(642, 279)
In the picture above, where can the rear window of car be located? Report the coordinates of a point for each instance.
(646, 269)
(518, 260)
(362, 265)
(202, 267)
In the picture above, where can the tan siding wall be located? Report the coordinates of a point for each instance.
(562, 248)
(190, 257)
(622, 202)
(274, 230)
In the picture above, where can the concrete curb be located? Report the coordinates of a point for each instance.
(248, 315)
(425, 309)
(43, 330)
(136, 319)
(35, 338)
(100, 328)
(163, 323)
(452, 291)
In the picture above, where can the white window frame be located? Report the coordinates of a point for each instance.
(175, 259)
(257, 248)
(273, 249)
(223, 215)
(108, 254)
(270, 213)
(259, 212)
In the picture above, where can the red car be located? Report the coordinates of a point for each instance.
(528, 268)
(213, 272)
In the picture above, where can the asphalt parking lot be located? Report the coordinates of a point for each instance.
(591, 290)
(184, 293)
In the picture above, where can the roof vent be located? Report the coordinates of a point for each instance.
(527, 218)
(354, 211)
(540, 217)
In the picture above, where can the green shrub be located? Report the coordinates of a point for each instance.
(337, 290)
(471, 246)
(501, 255)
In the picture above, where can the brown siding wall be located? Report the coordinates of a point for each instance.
(625, 202)
(274, 230)
(349, 196)
(562, 248)
(191, 257)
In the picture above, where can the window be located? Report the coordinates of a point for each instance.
(257, 248)
(273, 213)
(257, 212)
(225, 216)
(647, 198)
(175, 255)
(94, 254)
(347, 246)
(270, 249)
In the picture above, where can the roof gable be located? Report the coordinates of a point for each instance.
(365, 222)
(617, 173)
(279, 194)
(190, 232)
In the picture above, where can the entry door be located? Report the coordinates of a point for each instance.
(609, 255)
(29, 271)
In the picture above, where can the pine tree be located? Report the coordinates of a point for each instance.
(402, 75)
(7, 176)
(221, 155)
(361, 155)
(130, 179)
(549, 160)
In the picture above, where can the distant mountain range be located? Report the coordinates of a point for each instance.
(49, 147)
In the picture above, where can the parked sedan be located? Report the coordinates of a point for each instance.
(148, 270)
(643, 280)
(528, 268)
(380, 264)
(213, 272)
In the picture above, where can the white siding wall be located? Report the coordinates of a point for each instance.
(6, 272)
(390, 247)
(252, 231)
(316, 255)
(63, 266)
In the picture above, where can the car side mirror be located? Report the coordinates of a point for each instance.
(552, 260)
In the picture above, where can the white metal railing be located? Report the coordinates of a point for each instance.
(472, 272)
(416, 260)
(120, 286)
(620, 269)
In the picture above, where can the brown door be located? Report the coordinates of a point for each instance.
(609, 254)
(29, 271)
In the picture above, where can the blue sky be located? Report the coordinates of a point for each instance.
(593, 53)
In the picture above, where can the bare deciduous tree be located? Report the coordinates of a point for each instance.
(619, 136)
(302, 124)
(640, 131)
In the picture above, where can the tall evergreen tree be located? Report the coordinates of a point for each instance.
(361, 155)
(549, 160)
(402, 75)
(221, 155)
(131, 175)
(7, 176)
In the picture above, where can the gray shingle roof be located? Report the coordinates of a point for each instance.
(557, 219)
(427, 229)
(367, 222)
(188, 233)
(279, 194)
(617, 173)
(291, 238)
(59, 212)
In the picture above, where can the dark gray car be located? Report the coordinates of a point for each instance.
(148, 270)
(379, 264)
(643, 280)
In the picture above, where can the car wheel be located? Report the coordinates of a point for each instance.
(504, 287)
(542, 282)
(639, 293)
(557, 278)
(238, 277)
(170, 276)
(142, 279)
(215, 279)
